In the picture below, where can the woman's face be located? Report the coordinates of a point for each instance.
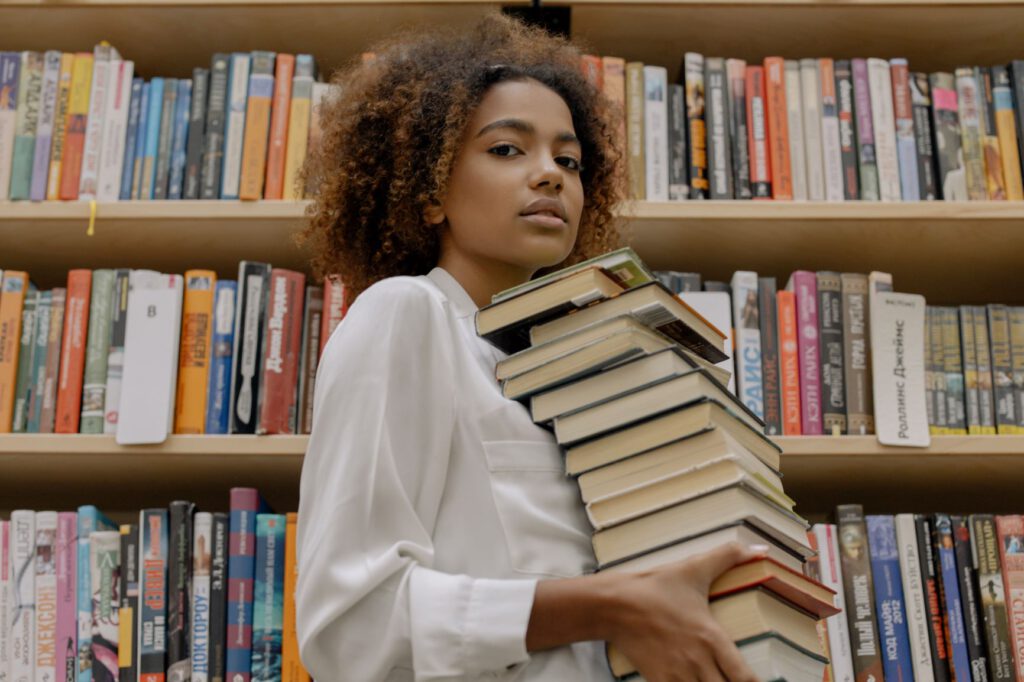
(515, 196)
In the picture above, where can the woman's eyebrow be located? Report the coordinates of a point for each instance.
(523, 127)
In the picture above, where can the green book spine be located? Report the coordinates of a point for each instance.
(30, 90)
(23, 383)
(40, 342)
(97, 350)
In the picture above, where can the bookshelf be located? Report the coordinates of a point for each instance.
(965, 252)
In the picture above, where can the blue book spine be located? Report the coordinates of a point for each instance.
(951, 589)
(218, 398)
(156, 106)
(182, 110)
(268, 606)
(89, 519)
(10, 75)
(889, 603)
(130, 135)
(246, 505)
(140, 142)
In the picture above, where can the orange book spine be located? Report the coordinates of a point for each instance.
(789, 364)
(72, 352)
(279, 113)
(292, 669)
(74, 125)
(613, 76)
(334, 309)
(257, 126)
(12, 300)
(778, 127)
(593, 70)
(757, 135)
(194, 353)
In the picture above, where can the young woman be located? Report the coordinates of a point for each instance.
(438, 538)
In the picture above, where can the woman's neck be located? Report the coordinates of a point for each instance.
(482, 279)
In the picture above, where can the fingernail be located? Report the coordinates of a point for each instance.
(759, 549)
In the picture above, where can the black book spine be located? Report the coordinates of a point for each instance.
(921, 100)
(976, 649)
(847, 129)
(830, 334)
(179, 591)
(216, 119)
(219, 596)
(677, 187)
(163, 155)
(1016, 69)
(196, 132)
(696, 142)
(253, 289)
(128, 616)
(769, 318)
(719, 151)
(950, 180)
(933, 599)
(859, 591)
(738, 128)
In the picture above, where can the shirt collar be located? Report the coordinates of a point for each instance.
(462, 303)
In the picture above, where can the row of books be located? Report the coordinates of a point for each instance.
(668, 462)
(141, 354)
(819, 129)
(82, 598)
(83, 126)
(931, 598)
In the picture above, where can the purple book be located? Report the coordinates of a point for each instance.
(47, 120)
(804, 285)
(865, 132)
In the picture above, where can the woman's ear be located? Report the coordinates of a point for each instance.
(433, 213)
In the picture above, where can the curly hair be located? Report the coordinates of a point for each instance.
(389, 141)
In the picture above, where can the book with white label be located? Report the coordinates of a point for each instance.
(795, 125)
(656, 132)
(810, 86)
(716, 308)
(883, 120)
(747, 329)
(832, 577)
(897, 366)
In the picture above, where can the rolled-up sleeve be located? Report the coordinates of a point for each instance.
(368, 601)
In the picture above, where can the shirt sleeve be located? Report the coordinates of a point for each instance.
(367, 598)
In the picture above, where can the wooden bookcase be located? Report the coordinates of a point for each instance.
(951, 253)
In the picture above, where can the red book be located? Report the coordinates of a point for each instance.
(760, 166)
(592, 66)
(279, 111)
(778, 127)
(789, 364)
(72, 352)
(282, 351)
(1010, 530)
(335, 308)
(804, 284)
(795, 588)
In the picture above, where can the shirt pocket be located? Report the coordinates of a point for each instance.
(546, 530)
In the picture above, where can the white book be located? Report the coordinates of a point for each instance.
(795, 123)
(883, 120)
(46, 596)
(897, 367)
(115, 127)
(840, 653)
(234, 134)
(146, 412)
(10, 70)
(914, 598)
(90, 176)
(810, 86)
(47, 120)
(5, 600)
(202, 552)
(906, 143)
(716, 308)
(115, 356)
(832, 155)
(747, 328)
(23, 594)
(656, 132)
(968, 98)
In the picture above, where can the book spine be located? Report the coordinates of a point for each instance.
(6, 596)
(284, 72)
(268, 607)
(115, 357)
(678, 189)
(946, 123)
(280, 363)
(738, 129)
(1002, 112)
(830, 334)
(234, 132)
(1002, 369)
(13, 290)
(22, 387)
(913, 597)
(182, 113)
(179, 592)
(889, 602)
(745, 322)
(847, 129)
(769, 323)
(257, 126)
(45, 661)
(1009, 531)
(298, 126)
(10, 77)
(969, 598)
(48, 403)
(634, 130)
(1016, 79)
(655, 133)
(23, 593)
(805, 288)
(39, 352)
(88, 183)
(921, 103)
(335, 308)
(992, 597)
(199, 627)
(115, 126)
(937, 640)
(982, 350)
(696, 147)
(970, 133)
(613, 85)
(840, 655)
(131, 135)
(154, 121)
(196, 133)
(194, 353)
(152, 631)
(128, 641)
(810, 86)
(952, 362)
(245, 505)
(218, 399)
(26, 125)
(859, 591)
(777, 116)
(141, 138)
(1017, 359)
(995, 184)
(250, 315)
(757, 134)
(313, 312)
(90, 519)
(903, 113)
(813, 570)
(884, 122)
(219, 597)
(216, 121)
(795, 128)
(970, 365)
(66, 640)
(97, 352)
(44, 130)
(75, 126)
(105, 567)
(942, 530)
(719, 143)
(867, 160)
(162, 164)
(292, 669)
(936, 383)
(860, 418)
(789, 364)
(72, 358)
(831, 150)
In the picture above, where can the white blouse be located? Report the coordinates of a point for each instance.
(430, 505)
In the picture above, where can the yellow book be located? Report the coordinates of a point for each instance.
(291, 665)
(67, 62)
(298, 126)
(194, 354)
(1006, 131)
(12, 299)
(635, 163)
(125, 623)
(257, 126)
(74, 125)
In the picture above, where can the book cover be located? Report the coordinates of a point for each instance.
(199, 627)
(914, 599)
(115, 357)
(988, 575)
(949, 155)
(128, 637)
(105, 570)
(937, 640)
(738, 126)
(278, 398)
(194, 361)
(30, 91)
(196, 133)
(22, 622)
(830, 335)
(1006, 132)
(810, 88)
(883, 120)
(90, 520)
(859, 592)
(66, 640)
(906, 145)
(75, 125)
(1010, 534)
(234, 131)
(165, 139)
(219, 597)
(795, 127)
(46, 596)
(696, 141)
(312, 313)
(967, 96)
(135, 121)
(97, 352)
(10, 77)
(38, 371)
(867, 162)
(88, 182)
(257, 125)
(921, 104)
(250, 321)
(897, 368)
(757, 134)
(719, 142)
(949, 587)
(777, 117)
(179, 590)
(268, 599)
(72, 354)
(749, 381)
(831, 150)
(179, 142)
(769, 323)
(298, 126)
(246, 504)
(216, 122)
(218, 397)
(655, 133)
(789, 364)
(292, 669)
(153, 556)
(889, 600)
(804, 286)
(860, 418)
(847, 128)
(115, 128)
(45, 127)
(635, 147)
(284, 72)
(48, 403)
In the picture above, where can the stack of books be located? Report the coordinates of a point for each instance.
(669, 463)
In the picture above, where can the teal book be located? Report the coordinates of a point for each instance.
(90, 519)
(30, 93)
(156, 105)
(41, 341)
(268, 598)
(97, 351)
(26, 359)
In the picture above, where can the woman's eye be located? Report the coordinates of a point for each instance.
(570, 163)
(503, 150)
